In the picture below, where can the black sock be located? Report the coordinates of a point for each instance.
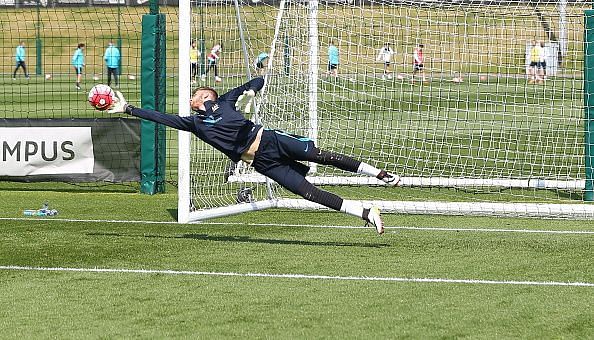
(340, 161)
(313, 194)
(365, 214)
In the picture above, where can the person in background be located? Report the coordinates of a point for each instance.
(78, 62)
(534, 56)
(385, 55)
(194, 54)
(260, 62)
(213, 60)
(541, 66)
(20, 60)
(333, 59)
(418, 66)
(112, 58)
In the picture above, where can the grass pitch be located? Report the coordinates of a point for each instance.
(282, 274)
(313, 303)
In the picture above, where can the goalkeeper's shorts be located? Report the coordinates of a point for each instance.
(278, 158)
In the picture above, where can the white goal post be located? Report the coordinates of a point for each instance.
(468, 132)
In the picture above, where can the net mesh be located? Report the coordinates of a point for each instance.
(474, 123)
(50, 37)
(50, 32)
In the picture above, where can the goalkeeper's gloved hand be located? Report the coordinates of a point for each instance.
(250, 93)
(245, 102)
(119, 104)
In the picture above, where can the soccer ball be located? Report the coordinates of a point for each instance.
(48, 76)
(101, 97)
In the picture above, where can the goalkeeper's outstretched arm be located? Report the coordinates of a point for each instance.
(254, 85)
(174, 121)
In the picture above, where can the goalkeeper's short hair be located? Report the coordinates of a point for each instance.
(206, 88)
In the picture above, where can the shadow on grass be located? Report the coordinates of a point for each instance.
(173, 213)
(245, 239)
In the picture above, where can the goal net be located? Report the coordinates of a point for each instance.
(459, 104)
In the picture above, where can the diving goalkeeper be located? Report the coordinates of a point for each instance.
(272, 153)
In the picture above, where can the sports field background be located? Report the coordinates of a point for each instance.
(317, 248)
(276, 273)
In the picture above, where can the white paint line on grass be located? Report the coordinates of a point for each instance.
(300, 276)
(499, 230)
(492, 230)
(46, 219)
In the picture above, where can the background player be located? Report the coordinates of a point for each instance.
(273, 153)
(112, 59)
(20, 60)
(385, 55)
(541, 66)
(333, 60)
(534, 59)
(262, 57)
(194, 54)
(213, 60)
(418, 66)
(78, 62)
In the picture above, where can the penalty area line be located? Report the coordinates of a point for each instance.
(487, 230)
(299, 276)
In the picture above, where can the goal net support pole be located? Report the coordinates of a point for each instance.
(589, 103)
(314, 63)
(183, 181)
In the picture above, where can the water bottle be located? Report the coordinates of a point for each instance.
(43, 212)
(30, 212)
(40, 212)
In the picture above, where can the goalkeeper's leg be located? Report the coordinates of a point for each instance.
(350, 164)
(303, 149)
(291, 177)
(330, 200)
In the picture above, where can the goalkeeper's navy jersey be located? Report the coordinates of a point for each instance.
(220, 125)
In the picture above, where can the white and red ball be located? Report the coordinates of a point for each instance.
(101, 97)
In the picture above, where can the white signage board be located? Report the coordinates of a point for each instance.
(28, 151)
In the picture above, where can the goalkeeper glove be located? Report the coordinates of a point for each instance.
(245, 102)
(119, 104)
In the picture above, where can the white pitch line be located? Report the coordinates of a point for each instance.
(41, 219)
(491, 230)
(500, 230)
(300, 276)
